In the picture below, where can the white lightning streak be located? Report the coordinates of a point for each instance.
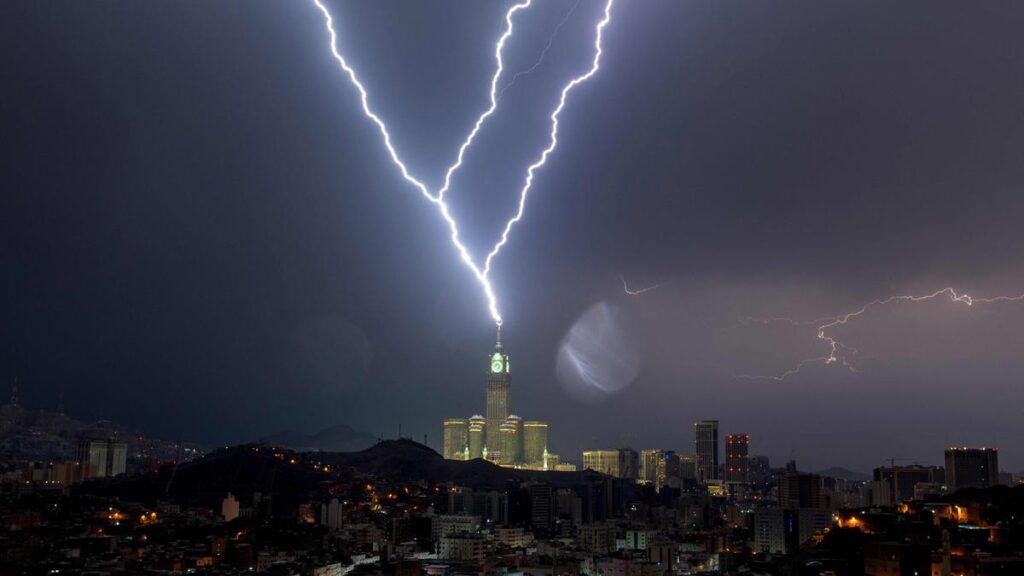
(437, 199)
(594, 67)
(544, 52)
(638, 291)
(835, 346)
(494, 98)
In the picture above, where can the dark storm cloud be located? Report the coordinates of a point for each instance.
(196, 217)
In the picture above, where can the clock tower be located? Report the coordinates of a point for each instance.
(499, 383)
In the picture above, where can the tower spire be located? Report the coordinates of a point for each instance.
(498, 344)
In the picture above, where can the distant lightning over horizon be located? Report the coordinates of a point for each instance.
(481, 274)
(835, 347)
(638, 291)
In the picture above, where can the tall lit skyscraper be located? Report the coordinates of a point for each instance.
(657, 466)
(499, 384)
(706, 447)
(737, 460)
(511, 435)
(972, 468)
(498, 436)
(477, 436)
(456, 438)
(535, 441)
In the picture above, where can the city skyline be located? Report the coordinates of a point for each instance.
(205, 238)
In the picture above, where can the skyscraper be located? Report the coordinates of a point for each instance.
(706, 447)
(498, 436)
(737, 463)
(456, 438)
(511, 436)
(499, 384)
(621, 463)
(801, 490)
(477, 436)
(106, 457)
(535, 441)
(657, 466)
(971, 468)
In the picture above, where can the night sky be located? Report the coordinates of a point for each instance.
(201, 235)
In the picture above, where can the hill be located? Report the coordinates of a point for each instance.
(339, 438)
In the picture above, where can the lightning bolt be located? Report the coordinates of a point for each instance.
(480, 273)
(835, 348)
(544, 52)
(531, 170)
(638, 291)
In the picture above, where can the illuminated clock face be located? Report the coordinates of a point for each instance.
(496, 365)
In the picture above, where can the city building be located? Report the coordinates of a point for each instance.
(597, 537)
(499, 436)
(621, 463)
(499, 391)
(687, 466)
(462, 547)
(476, 432)
(105, 457)
(971, 468)
(535, 441)
(776, 530)
(737, 458)
(511, 440)
(456, 438)
(706, 447)
(657, 466)
(901, 480)
(331, 514)
(801, 490)
(229, 507)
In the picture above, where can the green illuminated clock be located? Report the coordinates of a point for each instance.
(496, 363)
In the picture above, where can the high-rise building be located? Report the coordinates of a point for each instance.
(776, 530)
(902, 480)
(106, 457)
(456, 438)
(657, 466)
(971, 468)
(229, 507)
(649, 465)
(498, 436)
(332, 514)
(621, 463)
(476, 432)
(737, 462)
(687, 466)
(706, 447)
(499, 388)
(801, 490)
(535, 441)
(511, 440)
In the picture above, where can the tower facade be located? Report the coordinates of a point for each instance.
(498, 435)
(535, 441)
(456, 438)
(477, 431)
(706, 447)
(971, 468)
(499, 385)
(737, 458)
(511, 434)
